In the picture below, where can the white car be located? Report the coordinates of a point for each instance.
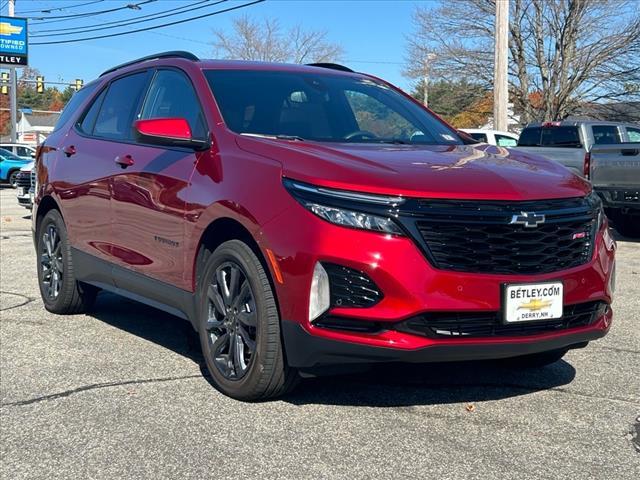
(493, 137)
(20, 149)
(25, 186)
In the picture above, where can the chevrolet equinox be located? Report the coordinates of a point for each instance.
(305, 217)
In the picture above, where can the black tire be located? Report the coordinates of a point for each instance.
(13, 178)
(628, 225)
(64, 296)
(255, 368)
(537, 360)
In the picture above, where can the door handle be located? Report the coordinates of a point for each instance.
(69, 150)
(124, 160)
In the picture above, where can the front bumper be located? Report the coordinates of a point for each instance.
(25, 197)
(411, 286)
(307, 351)
(620, 198)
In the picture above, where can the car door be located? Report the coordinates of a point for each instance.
(86, 163)
(147, 201)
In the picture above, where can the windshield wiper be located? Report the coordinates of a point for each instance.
(277, 137)
(290, 137)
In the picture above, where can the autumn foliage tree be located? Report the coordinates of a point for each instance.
(569, 52)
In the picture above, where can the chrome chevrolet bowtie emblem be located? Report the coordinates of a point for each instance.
(528, 219)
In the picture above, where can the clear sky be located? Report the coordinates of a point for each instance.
(371, 32)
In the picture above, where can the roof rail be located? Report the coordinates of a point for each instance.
(171, 54)
(332, 66)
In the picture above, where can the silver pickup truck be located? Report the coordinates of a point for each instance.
(614, 171)
(568, 142)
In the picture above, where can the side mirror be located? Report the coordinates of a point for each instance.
(168, 132)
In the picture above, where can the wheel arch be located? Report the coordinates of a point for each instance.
(219, 231)
(46, 204)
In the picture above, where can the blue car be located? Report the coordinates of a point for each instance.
(10, 166)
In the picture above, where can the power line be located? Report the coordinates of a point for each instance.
(122, 23)
(60, 18)
(152, 27)
(49, 10)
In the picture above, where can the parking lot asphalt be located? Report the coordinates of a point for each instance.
(122, 393)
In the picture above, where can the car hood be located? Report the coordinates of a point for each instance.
(478, 171)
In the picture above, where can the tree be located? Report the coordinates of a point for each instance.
(568, 51)
(449, 98)
(268, 41)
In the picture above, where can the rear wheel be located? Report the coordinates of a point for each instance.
(60, 291)
(628, 225)
(239, 326)
(537, 360)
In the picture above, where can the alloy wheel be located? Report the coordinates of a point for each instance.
(232, 321)
(51, 261)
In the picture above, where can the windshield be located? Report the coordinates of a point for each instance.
(7, 155)
(325, 108)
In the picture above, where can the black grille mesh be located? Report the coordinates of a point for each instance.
(351, 288)
(478, 237)
(24, 179)
(489, 324)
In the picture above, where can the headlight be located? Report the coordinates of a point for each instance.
(348, 209)
(349, 218)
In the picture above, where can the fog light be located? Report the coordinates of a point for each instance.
(612, 279)
(319, 297)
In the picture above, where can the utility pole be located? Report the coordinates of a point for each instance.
(425, 100)
(13, 91)
(500, 79)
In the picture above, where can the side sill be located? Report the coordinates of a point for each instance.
(133, 285)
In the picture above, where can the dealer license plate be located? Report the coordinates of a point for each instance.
(530, 302)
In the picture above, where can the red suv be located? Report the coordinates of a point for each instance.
(304, 217)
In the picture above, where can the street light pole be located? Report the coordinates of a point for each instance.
(500, 79)
(425, 99)
(13, 90)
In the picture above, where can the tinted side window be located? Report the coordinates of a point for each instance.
(561, 137)
(115, 118)
(634, 134)
(530, 137)
(481, 137)
(504, 141)
(72, 105)
(171, 95)
(605, 134)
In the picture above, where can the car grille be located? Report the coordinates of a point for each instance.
(33, 178)
(24, 180)
(478, 237)
(489, 324)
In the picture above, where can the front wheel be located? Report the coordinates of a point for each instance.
(239, 326)
(13, 179)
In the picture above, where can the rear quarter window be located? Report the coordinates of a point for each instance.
(73, 104)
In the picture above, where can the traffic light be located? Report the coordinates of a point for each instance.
(4, 88)
(40, 84)
(79, 84)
